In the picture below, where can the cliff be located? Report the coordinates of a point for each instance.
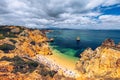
(103, 63)
(18, 48)
(23, 41)
(16, 42)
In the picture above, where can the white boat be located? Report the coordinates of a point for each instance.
(78, 38)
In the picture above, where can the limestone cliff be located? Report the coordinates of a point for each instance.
(103, 63)
(17, 41)
(18, 46)
(26, 41)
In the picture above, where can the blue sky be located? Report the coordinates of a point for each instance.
(112, 10)
(79, 14)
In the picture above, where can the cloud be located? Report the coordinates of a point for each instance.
(110, 18)
(41, 13)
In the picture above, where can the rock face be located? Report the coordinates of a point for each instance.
(15, 30)
(23, 41)
(18, 68)
(101, 64)
(118, 45)
(108, 42)
(20, 42)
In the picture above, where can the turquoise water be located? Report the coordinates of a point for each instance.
(65, 40)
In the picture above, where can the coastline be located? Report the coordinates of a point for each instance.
(67, 61)
(65, 65)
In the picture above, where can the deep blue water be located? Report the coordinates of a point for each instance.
(65, 40)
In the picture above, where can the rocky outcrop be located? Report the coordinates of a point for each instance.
(118, 45)
(24, 40)
(16, 42)
(19, 68)
(15, 30)
(101, 64)
(109, 43)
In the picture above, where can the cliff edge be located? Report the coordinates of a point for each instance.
(23, 41)
(103, 63)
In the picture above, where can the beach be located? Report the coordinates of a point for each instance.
(60, 62)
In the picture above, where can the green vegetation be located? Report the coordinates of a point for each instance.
(4, 58)
(13, 41)
(10, 35)
(20, 65)
(6, 47)
(45, 72)
(24, 66)
(2, 37)
(7, 33)
(52, 73)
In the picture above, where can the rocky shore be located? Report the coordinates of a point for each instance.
(56, 66)
(103, 63)
(26, 41)
(16, 42)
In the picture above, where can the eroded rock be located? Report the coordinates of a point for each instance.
(109, 43)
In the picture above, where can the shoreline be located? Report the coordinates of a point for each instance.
(61, 63)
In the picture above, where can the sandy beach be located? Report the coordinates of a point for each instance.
(63, 60)
(60, 62)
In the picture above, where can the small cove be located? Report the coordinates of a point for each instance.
(65, 40)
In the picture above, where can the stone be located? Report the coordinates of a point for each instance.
(15, 30)
(118, 62)
(109, 43)
(101, 63)
(118, 45)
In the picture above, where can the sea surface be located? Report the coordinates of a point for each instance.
(65, 40)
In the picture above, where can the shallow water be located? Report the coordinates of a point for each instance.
(65, 40)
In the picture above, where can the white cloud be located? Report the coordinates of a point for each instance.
(111, 2)
(110, 18)
(56, 12)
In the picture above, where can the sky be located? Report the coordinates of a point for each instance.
(78, 14)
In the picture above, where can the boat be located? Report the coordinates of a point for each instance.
(51, 39)
(78, 38)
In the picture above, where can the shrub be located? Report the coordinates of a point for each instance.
(11, 35)
(2, 37)
(52, 73)
(45, 72)
(32, 64)
(6, 47)
(5, 58)
(13, 41)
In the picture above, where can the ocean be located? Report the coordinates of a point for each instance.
(65, 40)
